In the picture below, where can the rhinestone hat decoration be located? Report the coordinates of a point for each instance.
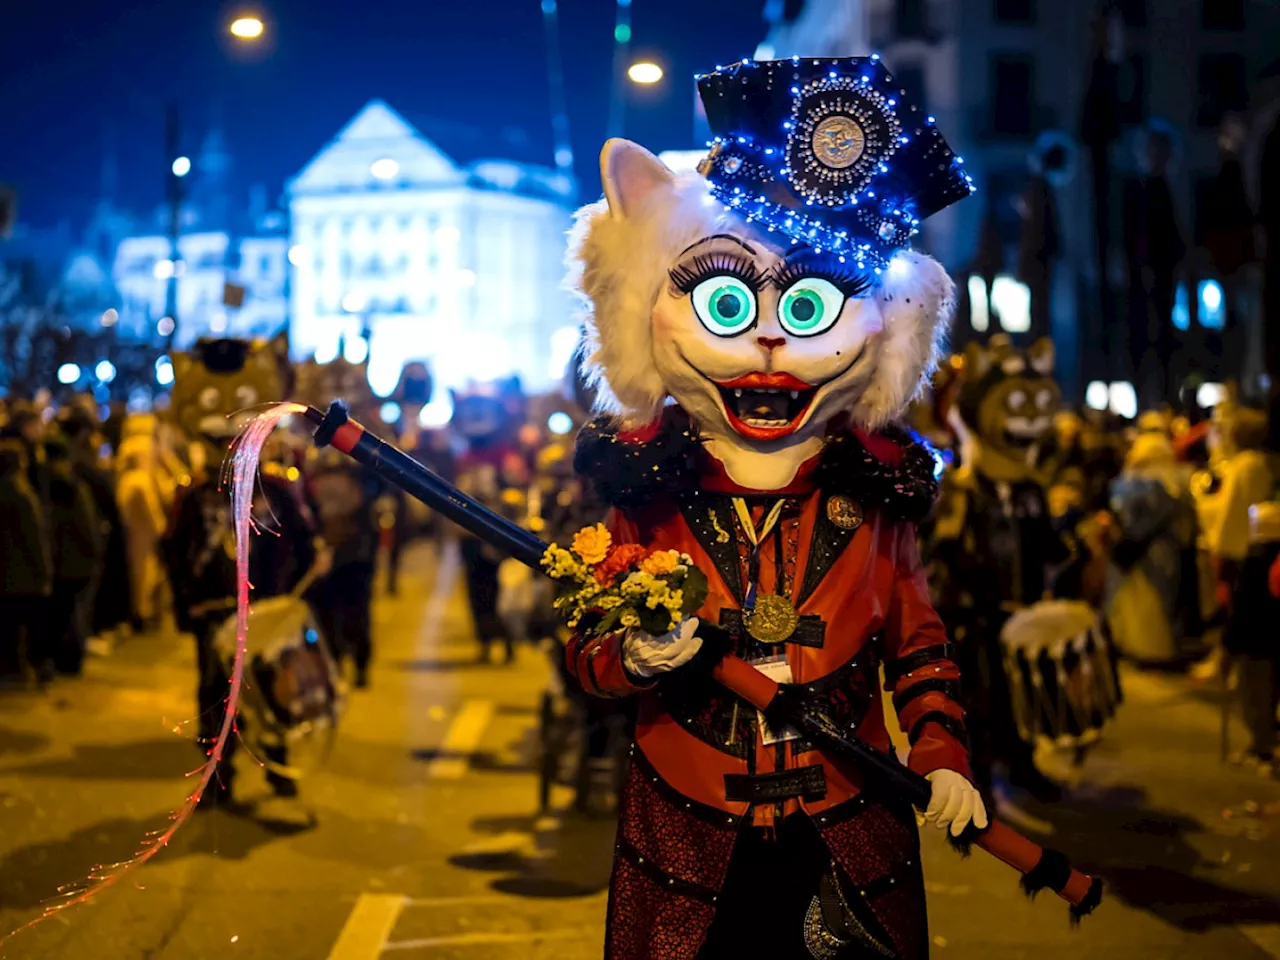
(828, 152)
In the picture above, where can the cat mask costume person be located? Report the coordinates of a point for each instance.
(753, 332)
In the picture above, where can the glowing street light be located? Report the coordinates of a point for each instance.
(645, 72)
(105, 371)
(68, 373)
(247, 28)
(182, 166)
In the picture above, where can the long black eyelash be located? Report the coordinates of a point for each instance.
(846, 278)
(688, 275)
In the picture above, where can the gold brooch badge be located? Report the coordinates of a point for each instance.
(844, 513)
(838, 142)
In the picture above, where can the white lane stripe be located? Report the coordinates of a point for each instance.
(367, 930)
(470, 939)
(461, 741)
(1264, 936)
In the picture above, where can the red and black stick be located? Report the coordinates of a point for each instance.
(1040, 868)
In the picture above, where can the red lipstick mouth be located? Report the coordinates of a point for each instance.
(766, 406)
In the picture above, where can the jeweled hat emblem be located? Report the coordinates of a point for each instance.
(844, 512)
(838, 142)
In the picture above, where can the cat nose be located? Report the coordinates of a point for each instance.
(771, 343)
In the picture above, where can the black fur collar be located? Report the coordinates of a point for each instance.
(630, 470)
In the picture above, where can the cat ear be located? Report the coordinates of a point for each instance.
(1041, 355)
(631, 176)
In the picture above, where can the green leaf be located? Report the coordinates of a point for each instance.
(695, 591)
(656, 621)
(610, 621)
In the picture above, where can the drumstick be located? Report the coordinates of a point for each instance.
(1040, 867)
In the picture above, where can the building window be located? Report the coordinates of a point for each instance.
(1222, 14)
(266, 264)
(911, 77)
(910, 21)
(1013, 80)
(1015, 11)
(1222, 87)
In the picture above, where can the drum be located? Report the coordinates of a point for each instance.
(1062, 673)
(293, 694)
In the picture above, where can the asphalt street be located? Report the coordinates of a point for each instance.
(419, 836)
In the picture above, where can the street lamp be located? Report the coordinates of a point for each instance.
(644, 72)
(247, 28)
(181, 166)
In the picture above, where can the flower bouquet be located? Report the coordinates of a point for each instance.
(607, 586)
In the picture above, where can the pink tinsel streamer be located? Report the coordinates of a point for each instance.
(246, 450)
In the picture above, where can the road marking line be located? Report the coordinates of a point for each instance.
(1264, 936)
(367, 930)
(428, 902)
(461, 741)
(469, 939)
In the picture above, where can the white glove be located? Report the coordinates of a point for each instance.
(955, 801)
(644, 655)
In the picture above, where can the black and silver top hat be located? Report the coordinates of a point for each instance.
(829, 152)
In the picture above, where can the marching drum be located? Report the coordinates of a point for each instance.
(293, 693)
(1062, 673)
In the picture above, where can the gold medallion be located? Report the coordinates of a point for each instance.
(838, 142)
(773, 620)
(844, 513)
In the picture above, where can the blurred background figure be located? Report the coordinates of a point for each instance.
(1229, 229)
(1250, 637)
(1154, 250)
(111, 591)
(343, 499)
(1154, 606)
(139, 494)
(1040, 238)
(78, 546)
(26, 568)
(494, 471)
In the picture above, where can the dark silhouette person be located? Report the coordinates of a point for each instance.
(1040, 240)
(1154, 250)
(1228, 236)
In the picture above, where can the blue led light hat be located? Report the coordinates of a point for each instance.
(830, 152)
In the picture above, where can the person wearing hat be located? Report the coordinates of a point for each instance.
(1250, 638)
(754, 330)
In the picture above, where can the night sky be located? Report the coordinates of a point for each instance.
(80, 79)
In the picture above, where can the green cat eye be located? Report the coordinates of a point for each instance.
(725, 305)
(810, 306)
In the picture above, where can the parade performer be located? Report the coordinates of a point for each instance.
(996, 540)
(754, 332)
(213, 382)
(487, 418)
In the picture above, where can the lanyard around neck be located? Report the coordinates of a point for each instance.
(756, 537)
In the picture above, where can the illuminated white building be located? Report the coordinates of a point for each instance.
(458, 266)
(142, 268)
(216, 247)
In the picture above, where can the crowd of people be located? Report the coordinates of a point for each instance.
(84, 501)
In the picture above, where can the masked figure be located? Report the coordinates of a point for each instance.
(754, 332)
(214, 384)
(996, 538)
(493, 470)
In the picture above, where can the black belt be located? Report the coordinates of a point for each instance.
(808, 783)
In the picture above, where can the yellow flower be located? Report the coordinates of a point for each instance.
(592, 543)
(664, 561)
(608, 603)
(638, 584)
(629, 619)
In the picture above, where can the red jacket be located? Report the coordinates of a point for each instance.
(864, 602)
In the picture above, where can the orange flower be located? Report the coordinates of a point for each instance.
(620, 558)
(592, 543)
(660, 562)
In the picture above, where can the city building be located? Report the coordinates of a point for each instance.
(455, 264)
(218, 246)
(388, 250)
(998, 74)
